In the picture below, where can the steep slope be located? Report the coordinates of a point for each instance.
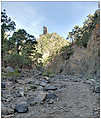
(84, 61)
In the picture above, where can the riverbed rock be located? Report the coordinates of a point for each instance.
(6, 110)
(37, 82)
(42, 83)
(3, 85)
(97, 89)
(50, 98)
(46, 78)
(38, 97)
(91, 82)
(50, 87)
(20, 92)
(9, 69)
(21, 107)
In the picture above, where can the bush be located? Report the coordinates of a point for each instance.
(27, 61)
(48, 73)
(66, 51)
(14, 60)
(85, 39)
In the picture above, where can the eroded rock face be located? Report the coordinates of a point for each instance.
(84, 61)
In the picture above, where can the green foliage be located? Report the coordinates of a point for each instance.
(49, 46)
(10, 74)
(47, 60)
(13, 74)
(15, 60)
(17, 49)
(64, 48)
(85, 38)
(45, 73)
(48, 73)
(23, 41)
(81, 35)
(33, 87)
(66, 51)
(7, 25)
(27, 61)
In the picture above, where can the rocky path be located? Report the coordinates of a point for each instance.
(61, 96)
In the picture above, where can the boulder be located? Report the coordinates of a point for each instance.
(37, 82)
(50, 98)
(50, 87)
(9, 69)
(46, 78)
(3, 84)
(21, 107)
(97, 89)
(20, 92)
(42, 83)
(91, 82)
(40, 88)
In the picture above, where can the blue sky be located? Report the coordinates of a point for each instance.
(59, 17)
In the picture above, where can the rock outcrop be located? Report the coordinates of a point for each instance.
(86, 61)
(49, 45)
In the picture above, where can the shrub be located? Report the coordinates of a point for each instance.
(48, 73)
(66, 51)
(85, 39)
(14, 60)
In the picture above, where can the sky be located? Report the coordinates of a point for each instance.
(59, 17)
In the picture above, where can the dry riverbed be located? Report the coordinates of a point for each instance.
(61, 96)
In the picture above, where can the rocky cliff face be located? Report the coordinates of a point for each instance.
(84, 61)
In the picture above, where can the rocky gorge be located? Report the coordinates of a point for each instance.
(51, 77)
